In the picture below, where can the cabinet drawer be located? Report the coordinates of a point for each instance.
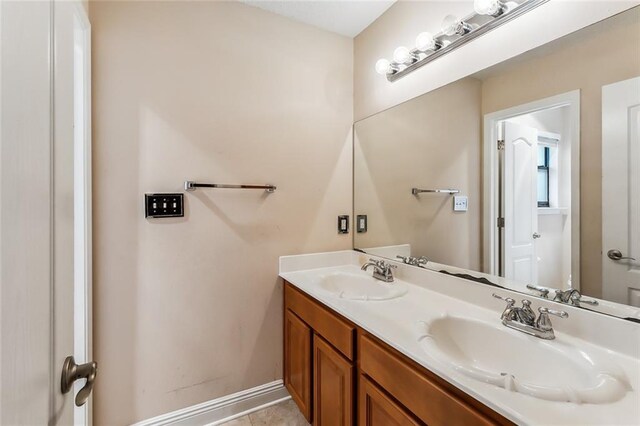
(332, 328)
(430, 401)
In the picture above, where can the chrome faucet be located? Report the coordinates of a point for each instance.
(381, 270)
(415, 261)
(524, 318)
(570, 297)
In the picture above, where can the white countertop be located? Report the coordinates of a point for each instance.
(432, 295)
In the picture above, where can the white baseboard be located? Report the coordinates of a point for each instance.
(223, 409)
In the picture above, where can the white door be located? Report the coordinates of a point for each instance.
(520, 202)
(44, 220)
(621, 191)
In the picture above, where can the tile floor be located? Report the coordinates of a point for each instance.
(283, 414)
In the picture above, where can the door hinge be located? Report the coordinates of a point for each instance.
(501, 222)
(501, 145)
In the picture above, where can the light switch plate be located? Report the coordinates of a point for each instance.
(163, 205)
(343, 224)
(460, 203)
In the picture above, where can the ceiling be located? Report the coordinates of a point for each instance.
(346, 17)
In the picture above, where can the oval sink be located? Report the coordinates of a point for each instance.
(361, 286)
(545, 369)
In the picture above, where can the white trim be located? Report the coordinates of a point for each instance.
(548, 136)
(218, 411)
(490, 177)
(544, 211)
(82, 319)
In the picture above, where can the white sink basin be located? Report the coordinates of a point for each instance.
(361, 286)
(546, 369)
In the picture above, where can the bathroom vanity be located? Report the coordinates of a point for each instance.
(337, 372)
(430, 348)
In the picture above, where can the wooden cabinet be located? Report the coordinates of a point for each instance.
(322, 363)
(339, 332)
(376, 408)
(428, 397)
(297, 361)
(333, 386)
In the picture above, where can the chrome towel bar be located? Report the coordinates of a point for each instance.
(416, 191)
(191, 186)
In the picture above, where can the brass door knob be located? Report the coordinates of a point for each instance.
(72, 372)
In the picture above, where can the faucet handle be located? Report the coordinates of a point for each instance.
(403, 258)
(576, 299)
(544, 323)
(545, 311)
(591, 302)
(544, 292)
(387, 267)
(509, 300)
(422, 260)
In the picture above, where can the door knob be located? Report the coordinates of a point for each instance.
(72, 372)
(617, 255)
(536, 235)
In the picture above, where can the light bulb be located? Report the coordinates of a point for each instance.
(402, 55)
(488, 7)
(382, 66)
(425, 41)
(452, 25)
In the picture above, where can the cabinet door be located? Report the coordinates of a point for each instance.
(297, 362)
(377, 409)
(333, 386)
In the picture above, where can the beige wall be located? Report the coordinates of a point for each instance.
(187, 310)
(602, 54)
(417, 145)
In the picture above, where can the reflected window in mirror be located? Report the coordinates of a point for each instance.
(543, 176)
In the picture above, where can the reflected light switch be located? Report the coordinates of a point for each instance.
(460, 203)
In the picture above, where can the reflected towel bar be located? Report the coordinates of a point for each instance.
(416, 191)
(191, 186)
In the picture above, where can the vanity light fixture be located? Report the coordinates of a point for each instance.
(452, 25)
(403, 55)
(426, 41)
(455, 32)
(490, 7)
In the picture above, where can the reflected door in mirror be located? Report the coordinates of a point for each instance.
(621, 191)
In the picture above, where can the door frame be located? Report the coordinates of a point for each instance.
(83, 273)
(490, 198)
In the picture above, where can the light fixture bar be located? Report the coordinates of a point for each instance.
(495, 22)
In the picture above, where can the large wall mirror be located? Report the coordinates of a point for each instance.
(524, 175)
